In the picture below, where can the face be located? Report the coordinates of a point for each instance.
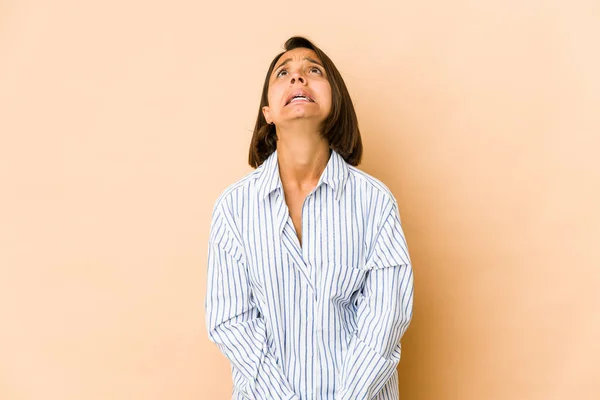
(298, 89)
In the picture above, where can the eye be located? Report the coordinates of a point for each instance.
(281, 72)
(316, 69)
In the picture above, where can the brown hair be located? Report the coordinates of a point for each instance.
(340, 128)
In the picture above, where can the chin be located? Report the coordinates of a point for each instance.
(302, 111)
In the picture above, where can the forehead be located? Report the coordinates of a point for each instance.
(297, 54)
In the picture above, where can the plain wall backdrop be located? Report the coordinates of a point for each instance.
(122, 121)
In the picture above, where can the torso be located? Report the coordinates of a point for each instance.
(294, 201)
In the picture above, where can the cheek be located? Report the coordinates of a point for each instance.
(274, 97)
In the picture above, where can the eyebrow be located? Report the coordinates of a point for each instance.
(305, 58)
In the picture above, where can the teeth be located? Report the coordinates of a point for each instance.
(300, 98)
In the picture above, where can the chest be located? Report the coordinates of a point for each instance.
(328, 260)
(294, 200)
(333, 232)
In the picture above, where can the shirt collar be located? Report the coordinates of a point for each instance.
(334, 175)
(268, 179)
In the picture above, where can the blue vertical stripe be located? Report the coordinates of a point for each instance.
(321, 321)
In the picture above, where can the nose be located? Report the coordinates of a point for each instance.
(297, 77)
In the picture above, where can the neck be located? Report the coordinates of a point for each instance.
(302, 156)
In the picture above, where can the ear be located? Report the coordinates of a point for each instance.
(267, 114)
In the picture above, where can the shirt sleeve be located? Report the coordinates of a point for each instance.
(384, 312)
(235, 324)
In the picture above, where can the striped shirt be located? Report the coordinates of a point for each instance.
(317, 321)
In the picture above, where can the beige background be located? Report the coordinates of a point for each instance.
(122, 121)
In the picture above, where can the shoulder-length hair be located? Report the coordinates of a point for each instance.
(340, 128)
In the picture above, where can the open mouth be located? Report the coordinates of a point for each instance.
(299, 97)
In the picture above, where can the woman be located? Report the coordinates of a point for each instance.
(310, 283)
